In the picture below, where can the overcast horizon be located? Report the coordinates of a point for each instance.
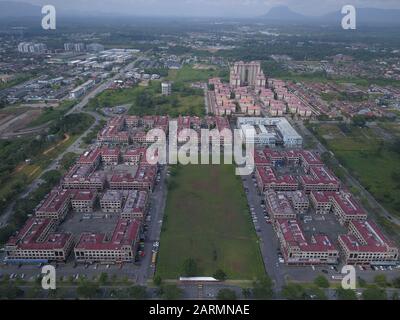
(205, 8)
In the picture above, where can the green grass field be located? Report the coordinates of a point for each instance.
(208, 220)
(368, 157)
(188, 74)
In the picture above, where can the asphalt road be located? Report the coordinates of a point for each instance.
(350, 179)
(74, 147)
(4, 218)
(99, 89)
(158, 201)
(268, 240)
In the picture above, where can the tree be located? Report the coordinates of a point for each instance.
(374, 293)
(359, 121)
(246, 292)
(396, 282)
(52, 177)
(171, 292)
(343, 294)
(33, 292)
(220, 275)
(361, 282)
(190, 267)
(114, 278)
(262, 288)
(293, 291)
(226, 294)
(137, 292)
(10, 292)
(87, 290)
(103, 278)
(321, 282)
(380, 280)
(157, 281)
(68, 160)
(315, 293)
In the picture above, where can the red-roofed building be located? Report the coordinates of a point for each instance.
(132, 121)
(116, 248)
(83, 177)
(267, 180)
(132, 156)
(321, 201)
(55, 205)
(112, 201)
(309, 159)
(366, 244)
(149, 121)
(347, 208)
(83, 200)
(142, 137)
(320, 178)
(261, 160)
(38, 241)
(112, 132)
(279, 206)
(292, 157)
(110, 156)
(145, 178)
(135, 205)
(122, 181)
(297, 250)
(298, 200)
(90, 157)
(274, 156)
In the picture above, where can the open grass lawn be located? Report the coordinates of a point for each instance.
(188, 74)
(207, 219)
(366, 156)
(392, 127)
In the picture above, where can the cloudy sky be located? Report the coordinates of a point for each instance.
(208, 7)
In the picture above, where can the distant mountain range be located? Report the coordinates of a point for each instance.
(281, 14)
(365, 16)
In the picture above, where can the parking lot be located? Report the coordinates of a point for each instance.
(311, 223)
(99, 222)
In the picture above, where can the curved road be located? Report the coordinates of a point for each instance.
(4, 218)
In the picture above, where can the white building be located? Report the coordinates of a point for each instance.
(166, 88)
(269, 131)
(81, 90)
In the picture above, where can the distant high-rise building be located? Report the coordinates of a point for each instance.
(30, 47)
(68, 46)
(247, 74)
(76, 47)
(166, 88)
(79, 47)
